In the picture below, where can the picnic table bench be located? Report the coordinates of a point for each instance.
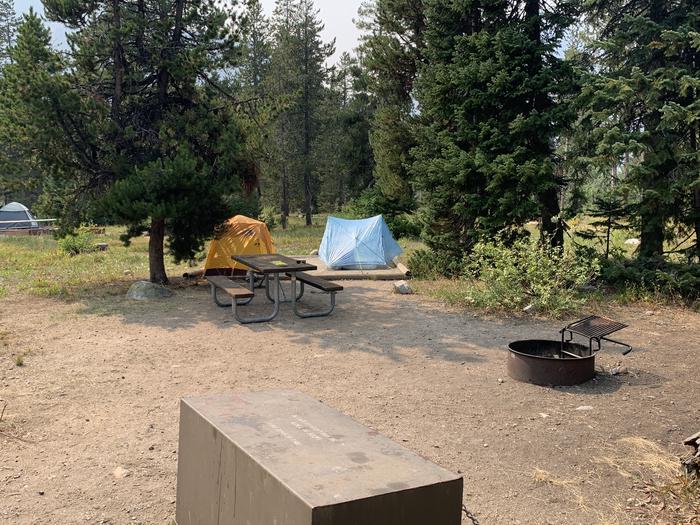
(316, 282)
(273, 268)
(231, 288)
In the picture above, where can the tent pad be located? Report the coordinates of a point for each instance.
(364, 244)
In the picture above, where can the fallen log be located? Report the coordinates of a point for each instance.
(692, 464)
(195, 274)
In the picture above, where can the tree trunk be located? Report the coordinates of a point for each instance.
(307, 194)
(653, 222)
(285, 199)
(551, 225)
(696, 195)
(156, 260)
(118, 58)
(696, 211)
(307, 130)
(653, 211)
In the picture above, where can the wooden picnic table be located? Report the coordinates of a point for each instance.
(272, 263)
(272, 267)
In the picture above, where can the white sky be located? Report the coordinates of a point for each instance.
(337, 16)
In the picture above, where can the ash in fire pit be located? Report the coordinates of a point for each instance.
(550, 363)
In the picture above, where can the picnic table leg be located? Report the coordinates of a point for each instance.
(297, 297)
(304, 315)
(264, 318)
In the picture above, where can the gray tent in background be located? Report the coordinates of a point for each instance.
(16, 212)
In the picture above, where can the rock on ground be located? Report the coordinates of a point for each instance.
(145, 291)
(403, 288)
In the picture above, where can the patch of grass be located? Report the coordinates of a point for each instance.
(568, 485)
(674, 495)
(37, 266)
(299, 239)
(19, 359)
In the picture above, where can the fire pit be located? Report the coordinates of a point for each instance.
(549, 363)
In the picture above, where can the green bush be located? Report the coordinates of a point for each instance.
(651, 278)
(371, 202)
(404, 226)
(528, 273)
(268, 215)
(80, 242)
(428, 264)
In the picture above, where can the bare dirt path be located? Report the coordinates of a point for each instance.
(90, 430)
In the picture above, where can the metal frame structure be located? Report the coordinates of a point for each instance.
(595, 328)
(262, 318)
(305, 315)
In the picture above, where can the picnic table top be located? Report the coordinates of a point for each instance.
(273, 263)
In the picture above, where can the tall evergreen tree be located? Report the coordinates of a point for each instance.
(10, 176)
(298, 72)
(343, 155)
(391, 51)
(256, 37)
(8, 28)
(492, 95)
(285, 87)
(312, 59)
(133, 124)
(644, 102)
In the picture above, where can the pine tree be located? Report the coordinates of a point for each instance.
(134, 124)
(11, 170)
(253, 70)
(643, 103)
(492, 95)
(298, 72)
(313, 56)
(343, 155)
(285, 86)
(391, 51)
(8, 28)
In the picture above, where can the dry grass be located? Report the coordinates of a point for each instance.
(570, 486)
(665, 493)
(670, 495)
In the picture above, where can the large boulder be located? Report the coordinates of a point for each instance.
(147, 291)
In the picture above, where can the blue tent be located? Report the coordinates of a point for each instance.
(364, 244)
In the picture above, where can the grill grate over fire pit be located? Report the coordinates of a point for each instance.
(548, 363)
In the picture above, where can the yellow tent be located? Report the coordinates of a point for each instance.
(239, 236)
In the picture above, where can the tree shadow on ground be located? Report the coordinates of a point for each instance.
(368, 318)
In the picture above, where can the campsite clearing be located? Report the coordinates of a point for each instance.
(89, 434)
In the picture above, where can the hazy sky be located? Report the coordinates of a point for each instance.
(336, 14)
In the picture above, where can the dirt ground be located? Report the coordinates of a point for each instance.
(89, 434)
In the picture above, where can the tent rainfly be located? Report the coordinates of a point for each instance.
(15, 211)
(365, 244)
(240, 235)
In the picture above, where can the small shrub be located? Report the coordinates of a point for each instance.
(268, 215)
(513, 277)
(81, 241)
(404, 225)
(429, 264)
(652, 279)
(19, 360)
